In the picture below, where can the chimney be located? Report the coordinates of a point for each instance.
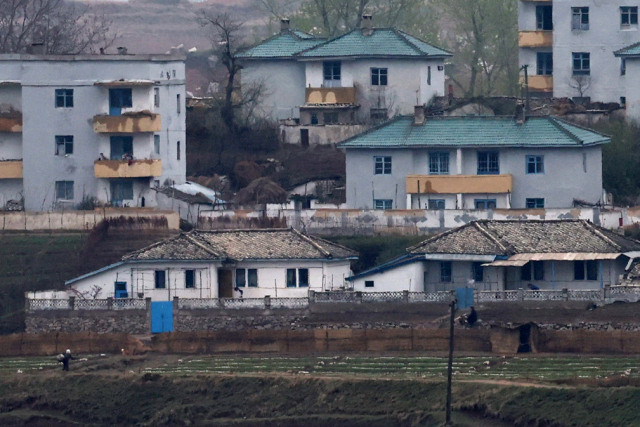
(520, 113)
(418, 115)
(36, 49)
(367, 24)
(284, 25)
(122, 50)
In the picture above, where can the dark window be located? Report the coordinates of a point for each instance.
(525, 272)
(368, 283)
(252, 278)
(628, 17)
(445, 271)
(331, 72)
(64, 190)
(544, 18)
(121, 147)
(303, 277)
(378, 114)
(314, 118)
(488, 163)
(435, 204)
(121, 190)
(581, 63)
(156, 96)
(580, 18)
(241, 278)
(160, 279)
(331, 118)
(535, 203)
(623, 101)
(544, 63)
(178, 104)
(304, 137)
(178, 150)
(64, 145)
(64, 98)
(532, 270)
(592, 270)
(535, 164)
(189, 279)
(382, 165)
(383, 204)
(478, 272)
(538, 270)
(429, 75)
(623, 66)
(578, 270)
(291, 277)
(156, 144)
(439, 163)
(379, 76)
(485, 203)
(118, 99)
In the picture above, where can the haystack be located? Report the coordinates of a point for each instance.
(261, 191)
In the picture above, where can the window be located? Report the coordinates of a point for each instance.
(368, 283)
(121, 147)
(160, 279)
(623, 101)
(581, 63)
(178, 104)
(314, 118)
(302, 277)
(544, 63)
(445, 271)
(118, 99)
(178, 150)
(121, 189)
(252, 278)
(241, 278)
(331, 118)
(291, 277)
(584, 162)
(378, 114)
(478, 272)
(485, 203)
(628, 17)
(585, 269)
(304, 137)
(532, 269)
(538, 270)
(64, 190)
(189, 279)
(64, 98)
(544, 18)
(429, 75)
(580, 18)
(535, 164)
(331, 73)
(488, 163)
(439, 163)
(383, 204)
(382, 165)
(435, 204)
(156, 96)
(623, 66)
(378, 76)
(156, 144)
(64, 145)
(535, 203)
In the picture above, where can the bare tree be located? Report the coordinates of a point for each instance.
(61, 27)
(580, 84)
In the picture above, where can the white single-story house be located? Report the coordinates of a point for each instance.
(220, 264)
(508, 255)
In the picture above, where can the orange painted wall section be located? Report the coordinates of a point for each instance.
(459, 184)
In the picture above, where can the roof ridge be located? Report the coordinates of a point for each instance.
(190, 237)
(242, 230)
(308, 239)
(591, 227)
(403, 34)
(317, 238)
(436, 237)
(126, 257)
(326, 42)
(413, 46)
(558, 119)
(491, 237)
(386, 123)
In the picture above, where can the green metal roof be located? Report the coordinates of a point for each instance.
(475, 131)
(381, 42)
(282, 45)
(633, 50)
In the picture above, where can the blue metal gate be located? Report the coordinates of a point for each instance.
(161, 317)
(465, 297)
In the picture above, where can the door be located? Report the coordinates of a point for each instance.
(465, 297)
(121, 190)
(304, 137)
(121, 147)
(161, 317)
(225, 283)
(121, 290)
(118, 99)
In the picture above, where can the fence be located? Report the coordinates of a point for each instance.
(88, 304)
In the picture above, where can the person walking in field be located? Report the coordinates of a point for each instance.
(66, 357)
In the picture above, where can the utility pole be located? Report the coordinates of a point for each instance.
(452, 308)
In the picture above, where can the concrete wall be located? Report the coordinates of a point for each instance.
(77, 220)
(318, 135)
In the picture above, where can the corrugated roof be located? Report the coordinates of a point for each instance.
(242, 244)
(282, 45)
(475, 131)
(381, 42)
(632, 50)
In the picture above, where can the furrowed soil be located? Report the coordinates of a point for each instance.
(117, 391)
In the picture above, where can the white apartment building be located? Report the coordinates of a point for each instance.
(568, 46)
(109, 127)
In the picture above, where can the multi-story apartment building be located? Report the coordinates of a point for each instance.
(568, 46)
(109, 127)
(331, 88)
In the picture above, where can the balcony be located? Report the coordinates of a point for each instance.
(535, 38)
(459, 184)
(330, 95)
(10, 169)
(541, 83)
(11, 121)
(127, 169)
(127, 123)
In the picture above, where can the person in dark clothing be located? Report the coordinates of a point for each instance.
(533, 287)
(66, 357)
(472, 318)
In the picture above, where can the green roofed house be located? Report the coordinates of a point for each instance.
(418, 162)
(630, 65)
(325, 90)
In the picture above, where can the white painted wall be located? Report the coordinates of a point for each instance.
(632, 93)
(408, 277)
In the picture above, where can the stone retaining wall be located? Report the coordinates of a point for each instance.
(100, 321)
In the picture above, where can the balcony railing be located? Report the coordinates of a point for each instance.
(127, 168)
(541, 83)
(127, 123)
(459, 184)
(11, 169)
(11, 121)
(535, 38)
(330, 95)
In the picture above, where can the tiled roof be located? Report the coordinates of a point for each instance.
(381, 42)
(475, 131)
(282, 45)
(242, 244)
(488, 237)
(632, 50)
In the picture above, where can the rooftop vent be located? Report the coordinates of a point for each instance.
(367, 24)
(284, 25)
